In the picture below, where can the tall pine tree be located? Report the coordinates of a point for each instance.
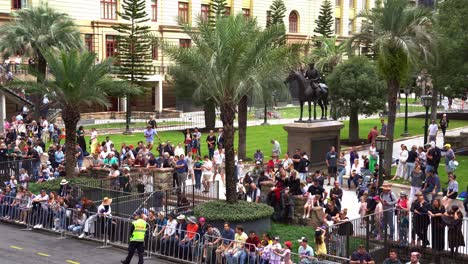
(217, 8)
(325, 20)
(276, 13)
(134, 46)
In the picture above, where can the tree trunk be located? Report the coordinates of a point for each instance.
(353, 126)
(435, 100)
(228, 113)
(393, 87)
(36, 98)
(70, 118)
(210, 114)
(242, 126)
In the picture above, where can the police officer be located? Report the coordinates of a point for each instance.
(137, 240)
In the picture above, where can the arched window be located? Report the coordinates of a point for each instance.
(293, 22)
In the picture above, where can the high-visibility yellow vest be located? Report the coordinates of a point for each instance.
(138, 234)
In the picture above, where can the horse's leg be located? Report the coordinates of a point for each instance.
(325, 104)
(320, 102)
(302, 107)
(310, 109)
(315, 110)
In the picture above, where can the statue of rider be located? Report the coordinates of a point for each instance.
(313, 74)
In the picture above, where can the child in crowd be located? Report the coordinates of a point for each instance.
(312, 201)
(363, 208)
(24, 178)
(194, 144)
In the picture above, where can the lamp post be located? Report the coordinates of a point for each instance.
(407, 91)
(381, 143)
(426, 101)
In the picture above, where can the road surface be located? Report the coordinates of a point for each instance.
(34, 247)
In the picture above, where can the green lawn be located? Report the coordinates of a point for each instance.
(258, 137)
(461, 173)
(293, 112)
(137, 125)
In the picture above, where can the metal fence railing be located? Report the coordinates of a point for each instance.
(13, 167)
(139, 121)
(180, 199)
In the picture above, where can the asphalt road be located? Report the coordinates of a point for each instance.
(33, 247)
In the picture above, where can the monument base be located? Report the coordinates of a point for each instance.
(314, 138)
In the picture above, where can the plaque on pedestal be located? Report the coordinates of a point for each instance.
(315, 138)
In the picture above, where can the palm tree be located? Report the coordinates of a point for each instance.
(35, 29)
(400, 36)
(227, 62)
(329, 54)
(77, 81)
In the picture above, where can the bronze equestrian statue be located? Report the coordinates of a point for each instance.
(310, 90)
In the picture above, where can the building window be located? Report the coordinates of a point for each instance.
(205, 12)
(338, 2)
(154, 52)
(351, 3)
(246, 12)
(111, 46)
(109, 9)
(88, 39)
(293, 22)
(227, 11)
(337, 26)
(185, 43)
(350, 26)
(154, 10)
(18, 4)
(183, 12)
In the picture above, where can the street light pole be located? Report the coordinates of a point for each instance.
(426, 100)
(380, 146)
(405, 133)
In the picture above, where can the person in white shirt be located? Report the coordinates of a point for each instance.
(105, 151)
(179, 150)
(276, 246)
(109, 143)
(287, 163)
(433, 128)
(169, 232)
(218, 158)
(207, 174)
(401, 169)
(276, 147)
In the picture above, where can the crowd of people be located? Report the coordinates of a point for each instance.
(276, 181)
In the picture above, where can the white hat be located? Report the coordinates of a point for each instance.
(63, 182)
(181, 217)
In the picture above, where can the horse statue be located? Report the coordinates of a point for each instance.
(309, 91)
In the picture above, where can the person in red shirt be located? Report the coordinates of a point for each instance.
(373, 133)
(250, 246)
(190, 237)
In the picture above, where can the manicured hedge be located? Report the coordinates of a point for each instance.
(54, 185)
(239, 212)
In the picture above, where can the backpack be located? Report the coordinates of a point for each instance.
(436, 156)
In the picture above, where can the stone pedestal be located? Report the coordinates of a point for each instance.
(314, 138)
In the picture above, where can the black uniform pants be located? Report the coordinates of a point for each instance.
(140, 246)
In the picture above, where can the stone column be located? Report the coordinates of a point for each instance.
(158, 91)
(2, 111)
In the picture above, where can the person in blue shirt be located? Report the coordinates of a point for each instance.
(181, 167)
(431, 186)
(228, 240)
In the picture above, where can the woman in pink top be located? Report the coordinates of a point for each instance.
(402, 208)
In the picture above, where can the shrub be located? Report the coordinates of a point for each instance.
(239, 212)
(54, 185)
